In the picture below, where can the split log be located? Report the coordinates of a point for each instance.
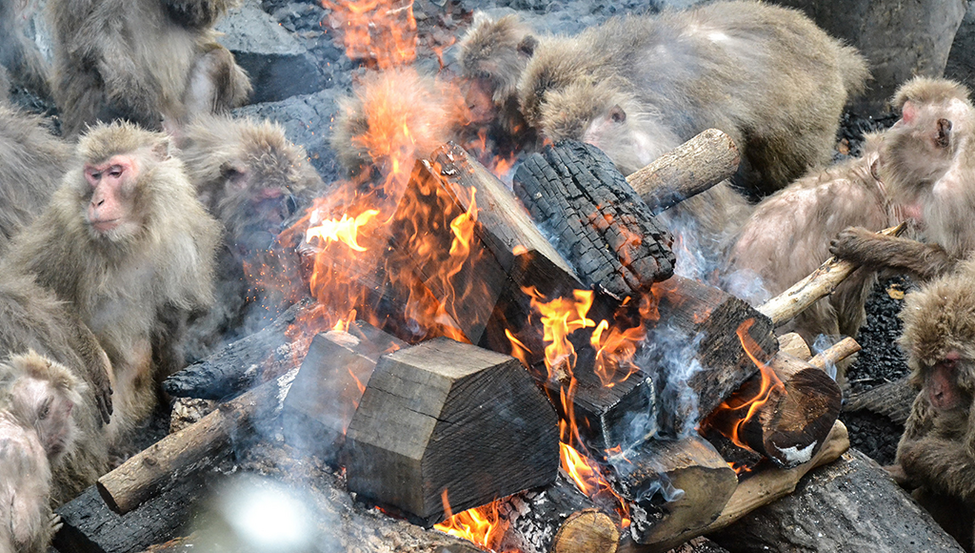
(200, 444)
(763, 488)
(793, 344)
(329, 385)
(849, 505)
(703, 341)
(587, 531)
(687, 170)
(891, 399)
(449, 419)
(821, 282)
(257, 358)
(604, 227)
(673, 487)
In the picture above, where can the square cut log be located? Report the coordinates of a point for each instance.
(449, 418)
(329, 386)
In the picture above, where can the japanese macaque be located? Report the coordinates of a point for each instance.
(932, 181)
(20, 60)
(763, 74)
(32, 163)
(254, 180)
(391, 112)
(790, 232)
(126, 243)
(492, 56)
(936, 454)
(32, 318)
(152, 62)
(37, 397)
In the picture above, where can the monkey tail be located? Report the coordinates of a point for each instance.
(854, 70)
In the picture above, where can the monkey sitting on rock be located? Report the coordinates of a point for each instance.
(37, 396)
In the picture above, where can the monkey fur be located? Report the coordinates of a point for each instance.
(254, 180)
(146, 61)
(21, 61)
(126, 243)
(37, 428)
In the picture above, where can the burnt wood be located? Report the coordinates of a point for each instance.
(891, 399)
(319, 407)
(446, 417)
(241, 365)
(674, 487)
(602, 226)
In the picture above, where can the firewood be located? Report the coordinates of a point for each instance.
(605, 228)
(241, 365)
(849, 505)
(587, 531)
(319, 407)
(687, 170)
(144, 474)
(819, 283)
(835, 353)
(891, 399)
(793, 344)
(446, 418)
(674, 487)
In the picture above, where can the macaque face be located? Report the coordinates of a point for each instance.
(49, 411)
(112, 185)
(941, 384)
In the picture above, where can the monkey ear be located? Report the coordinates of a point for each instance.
(908, 112)
(944, 133)
(617, 114)
(163, 149)
(527, 45)
(233, 173)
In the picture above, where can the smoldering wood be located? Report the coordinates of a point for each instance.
(821, 282)
(765, 487)
(687, 170)
(446, 417)
(891, 399)
(708, 326)
(89, 526)
(143, 475)
(319, 407)
(673, 487)
(856, 499)
(243, 364)
(606, 230)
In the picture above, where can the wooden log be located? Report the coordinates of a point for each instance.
(243, 364)
(891, 399)
(821, 282)
(587, 531)
(319, 407)
(703, 341)
(674, 487)
(764, 487)
(687, 170)
(153, 469)
(449, 418)
(606, 230)
(849, 505)
(793, 344)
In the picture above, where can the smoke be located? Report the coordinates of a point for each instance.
(670, 356)
(822, 343)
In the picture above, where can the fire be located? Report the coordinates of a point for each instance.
(382, 31)
(561, 317)
(615, 350)
(344, 230)
(480, 525)
(741, 407)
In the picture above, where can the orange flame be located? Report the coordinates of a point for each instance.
(481, 525)
(344, 230)
(381, 31)
(561, 317)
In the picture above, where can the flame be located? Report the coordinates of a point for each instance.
(615, 351)
(561, 317)
(730, 417)
(378, 31)
(344, 230)
(481, 525)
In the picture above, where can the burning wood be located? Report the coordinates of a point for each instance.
(445, 421)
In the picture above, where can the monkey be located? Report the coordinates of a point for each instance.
(763, 74)
(32, 318)
(152, 62)
(792, 232)
(390, 111)
(936, 453)
(31, 166)
(254, 180)
(492, 55)
(21, 61)
(37, 429)
(934, 187)
(126, 243)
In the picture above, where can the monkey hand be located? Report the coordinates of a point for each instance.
(850, 243)
(197, 14)
(896, 471)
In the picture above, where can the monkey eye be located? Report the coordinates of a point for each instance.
(115, 171)
(292, 203)
(45, 410)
